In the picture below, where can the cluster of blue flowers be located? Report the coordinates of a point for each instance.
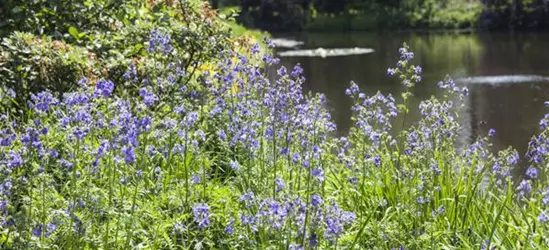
(235, 157)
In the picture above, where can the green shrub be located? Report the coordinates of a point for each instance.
(104, 45)
(29, 64)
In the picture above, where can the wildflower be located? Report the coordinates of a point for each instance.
(195, 179)
(295, 158)
(50, 228)
(103, 88)
(316, 200)
(391, 71)
(66, 164)
(542, 218)
(159, 42)
(279, 182)
(221, 134)
(318, 173)
(255, 49)
(37, 231)
(352, 180)
(157, 170)
(14, 160)
(377, 161)
(269, 42)
(421, 200)
(354, 88)
(298, 70)
(235, 166)
(247, 196)
(417, 70)
(295, 247)
(3, 206)
(491, 132)
(200, 134)
(229, 229)
(335, 219)
(149, 98)
(532, 172)
(178, 228)
(83, 81)
(524, 187)
(281, 71)
(129, 154)
(435, 168)
(201, 215)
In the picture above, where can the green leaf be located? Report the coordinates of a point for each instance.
(73, 32)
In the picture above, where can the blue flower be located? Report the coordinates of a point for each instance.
(532, 172)
(43, 101)
(15, 160)
(178, 228)
(318, 173)
(255, 49)
(103, 88)
(50, 228)
(129, 154)
(157, 170)
(377, 160)
(229, 229)
(542, 218)
(149, 98)
(316, 200)
(201, 215)
(418, 70)
(235, 166)
(524, 187)
(335, 220)
(37, 231)
(279, 182)
(195, 179)
(159, 42)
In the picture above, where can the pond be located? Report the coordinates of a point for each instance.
(507, 75)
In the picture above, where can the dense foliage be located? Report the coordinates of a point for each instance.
(223, 149)
(96, 40)
(344, 15)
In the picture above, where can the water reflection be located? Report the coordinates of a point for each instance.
(513, 109)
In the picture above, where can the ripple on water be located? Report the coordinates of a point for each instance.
(322, 52)
(286, 43)
(503, 79)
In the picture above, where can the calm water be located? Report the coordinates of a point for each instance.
(513, 109)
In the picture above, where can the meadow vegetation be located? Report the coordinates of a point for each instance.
(184, 137)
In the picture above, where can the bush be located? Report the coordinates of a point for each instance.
(105, 46)
(29, 64)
